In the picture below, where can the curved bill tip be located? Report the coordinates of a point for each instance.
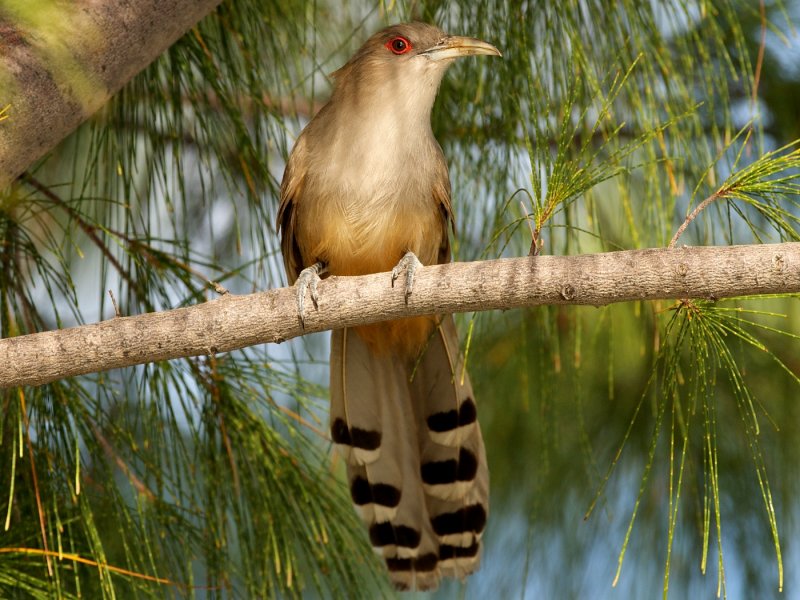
(456, 46)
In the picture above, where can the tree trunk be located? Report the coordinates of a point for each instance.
(61, 61)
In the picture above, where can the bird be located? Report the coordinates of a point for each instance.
(366, 189)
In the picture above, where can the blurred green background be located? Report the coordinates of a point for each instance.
(602, 127)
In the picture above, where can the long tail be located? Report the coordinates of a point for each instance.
(416, 463)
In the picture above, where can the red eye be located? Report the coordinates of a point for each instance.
(398, 45)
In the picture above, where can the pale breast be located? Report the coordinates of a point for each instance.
(367, 204)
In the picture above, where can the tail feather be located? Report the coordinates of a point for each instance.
(454, 468)
(442, 389)
(355, 416)
(415, 457)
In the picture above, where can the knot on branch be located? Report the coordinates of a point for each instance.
(568, 292)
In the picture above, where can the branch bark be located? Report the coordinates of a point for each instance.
(232, 322)
(61, 62)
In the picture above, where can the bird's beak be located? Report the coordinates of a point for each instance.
(455, 46)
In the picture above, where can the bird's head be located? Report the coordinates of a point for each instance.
(405, 62)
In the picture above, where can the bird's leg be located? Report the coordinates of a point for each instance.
(308, 280)
(409, 263)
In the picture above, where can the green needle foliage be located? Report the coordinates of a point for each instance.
(684, 384)
(606, 125)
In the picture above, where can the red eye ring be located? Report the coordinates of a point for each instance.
(398, 45)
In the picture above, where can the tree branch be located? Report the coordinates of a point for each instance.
(53, 87)
(232, 322)
(688, 220)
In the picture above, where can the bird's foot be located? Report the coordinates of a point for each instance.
(409, 263)
(308, 280)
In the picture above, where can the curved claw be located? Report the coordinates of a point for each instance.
(409, 263)
(308, 280)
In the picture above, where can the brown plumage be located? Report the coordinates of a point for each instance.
(367, 182)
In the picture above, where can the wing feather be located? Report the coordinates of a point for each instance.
(291, 193)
